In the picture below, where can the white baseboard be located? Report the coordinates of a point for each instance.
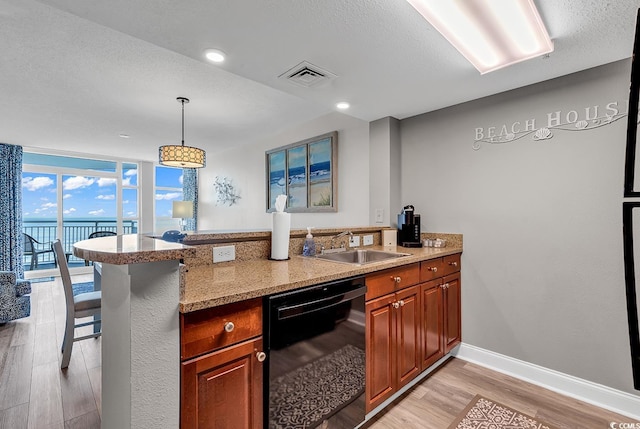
(602, 396)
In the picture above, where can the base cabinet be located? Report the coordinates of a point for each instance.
(223, 389)
(452, 311)
(393, 344)
(380, 321)
(432, 322)
(221, 372)
(441, 327)
(412, 328)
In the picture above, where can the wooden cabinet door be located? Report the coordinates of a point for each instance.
(380, 350)
(432, 322)
(223, 389)
(407, 306)
(452, 305)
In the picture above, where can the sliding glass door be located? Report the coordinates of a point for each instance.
(71, 199)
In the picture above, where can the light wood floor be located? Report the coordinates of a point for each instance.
(35, 393)
(437, 400)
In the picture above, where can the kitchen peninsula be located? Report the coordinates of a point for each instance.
(145, 289)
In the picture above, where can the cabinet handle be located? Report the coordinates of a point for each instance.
(229, 326)
(453, 264)
(396, 305)
(261, 356)
(396, 279)
(434, 269)
(401, 303)
(446, 285)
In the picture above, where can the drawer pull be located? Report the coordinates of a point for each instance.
(434, 269)
(261, 356)
(453, 264)
(229, 326)
(396, 305)
(396, 279)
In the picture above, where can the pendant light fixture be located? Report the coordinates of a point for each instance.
(181, 155)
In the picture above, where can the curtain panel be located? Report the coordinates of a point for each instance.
(190, 193)
(11, 242)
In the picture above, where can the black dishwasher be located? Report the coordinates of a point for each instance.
(315, 339)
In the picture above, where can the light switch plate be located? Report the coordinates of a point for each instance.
(224, 253)
(354, 241)
(379, 215)
(367, 240)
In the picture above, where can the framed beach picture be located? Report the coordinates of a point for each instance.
(306, 172)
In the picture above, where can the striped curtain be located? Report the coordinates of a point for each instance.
(11, 241)
(190, 193)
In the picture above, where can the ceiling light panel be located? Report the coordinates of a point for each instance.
(490, 34)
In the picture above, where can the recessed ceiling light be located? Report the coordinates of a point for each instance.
(343, 105)
(214, 55)
(124, 136)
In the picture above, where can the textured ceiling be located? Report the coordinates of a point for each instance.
(75, 74)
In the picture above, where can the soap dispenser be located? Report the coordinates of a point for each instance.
(309, 247)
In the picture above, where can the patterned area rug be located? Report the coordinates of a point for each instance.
(483, 413)
(306, 396)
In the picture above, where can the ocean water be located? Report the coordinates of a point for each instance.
(297, 175)
(75, 229)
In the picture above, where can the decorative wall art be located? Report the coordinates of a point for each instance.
(574, 120)
(306, 172)
(226, 191)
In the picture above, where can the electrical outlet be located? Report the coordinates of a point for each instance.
(224, 253)
(354, 241)
(379, 215)
(367, 240)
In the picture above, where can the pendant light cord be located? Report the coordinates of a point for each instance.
(182, 121)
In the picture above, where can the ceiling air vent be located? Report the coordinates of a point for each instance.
(307, 75)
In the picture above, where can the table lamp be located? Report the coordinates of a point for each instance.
(182, 210)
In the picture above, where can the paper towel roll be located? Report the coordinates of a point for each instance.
(280, 235)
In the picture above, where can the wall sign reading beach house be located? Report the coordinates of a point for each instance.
(572, 120)
(306, 172)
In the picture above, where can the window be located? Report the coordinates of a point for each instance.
(168, 188)
(69, 198)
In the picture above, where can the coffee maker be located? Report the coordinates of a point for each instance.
(409, 228)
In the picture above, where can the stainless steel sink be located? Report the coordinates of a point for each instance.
(361, 257)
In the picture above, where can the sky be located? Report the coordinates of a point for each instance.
(87, 197)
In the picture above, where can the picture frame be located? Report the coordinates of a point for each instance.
(305, 171)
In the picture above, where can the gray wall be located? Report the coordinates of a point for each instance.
(542, 264)
(384, 170)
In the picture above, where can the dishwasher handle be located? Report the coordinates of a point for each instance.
(287, 312)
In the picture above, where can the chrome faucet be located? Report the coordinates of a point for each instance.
(342, 234)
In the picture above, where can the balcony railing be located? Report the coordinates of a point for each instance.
(72, 232)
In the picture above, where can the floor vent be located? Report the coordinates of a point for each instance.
(307, 75)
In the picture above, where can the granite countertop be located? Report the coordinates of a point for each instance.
(209, 286)
(130, 249)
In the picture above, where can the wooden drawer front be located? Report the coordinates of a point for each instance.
(207, 330)
(382, 283)
(431, 269)
(451, 264)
